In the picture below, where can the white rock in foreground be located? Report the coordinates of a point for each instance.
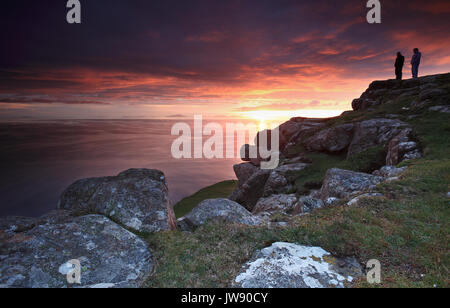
(286, 265)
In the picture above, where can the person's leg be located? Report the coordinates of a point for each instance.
(415, 69)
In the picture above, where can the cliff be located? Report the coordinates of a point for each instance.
(372, 183)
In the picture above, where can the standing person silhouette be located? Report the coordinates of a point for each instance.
(415, 62)
(399, 62)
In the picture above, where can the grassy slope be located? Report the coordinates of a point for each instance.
(219, 190)
(408, 231)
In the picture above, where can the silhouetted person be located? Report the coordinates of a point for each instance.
(399, 62)
(415, 62)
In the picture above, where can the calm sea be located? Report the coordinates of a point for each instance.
(40, 159)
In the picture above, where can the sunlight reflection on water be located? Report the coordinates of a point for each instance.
(40, 159)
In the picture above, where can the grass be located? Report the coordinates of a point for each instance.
(312, 176)
(219, 190)
(407, 230)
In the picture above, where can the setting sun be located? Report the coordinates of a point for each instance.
(270, 118)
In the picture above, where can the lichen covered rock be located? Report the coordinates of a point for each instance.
(286, 204)
(137, 198)
(286, 265)
(344, 184)
(217, 209)
(37, 256)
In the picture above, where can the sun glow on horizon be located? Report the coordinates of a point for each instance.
(267, 117)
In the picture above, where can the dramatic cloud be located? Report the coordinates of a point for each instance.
(175, 57)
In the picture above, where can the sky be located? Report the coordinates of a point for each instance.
(229, 58)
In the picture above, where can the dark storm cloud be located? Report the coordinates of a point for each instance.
(18, 99)
(185, 46)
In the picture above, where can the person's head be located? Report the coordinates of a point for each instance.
(399, 54)
(416, 50)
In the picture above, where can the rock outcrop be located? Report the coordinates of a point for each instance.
(217, 209)
(34, 253)
(331, 140)
(344, 184)
(402, 147)
(282, 178)
(425, 89)
(249, 192)
(373, 133)
(136, 198)
(286, 265)
(262, 183)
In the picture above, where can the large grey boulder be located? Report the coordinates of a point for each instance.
(344, 184)
(286, 265)
(35, 252)
(136, 198)
(373, 133)
(217, 209)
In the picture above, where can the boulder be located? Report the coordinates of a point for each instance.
(416, 154)
(136, 198)
(248, 193)
(309, 204)
(401, 148)
(344, 184)
(286, 265)
(263, 183)
(286, 204)
(332, 140)
(389, 171)
(288, 129)
(364, 103)
(357, 104)
(308, 127)
(281, 179)
(374, 132)
(244, 172)
(37, 255)
(217, 209)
